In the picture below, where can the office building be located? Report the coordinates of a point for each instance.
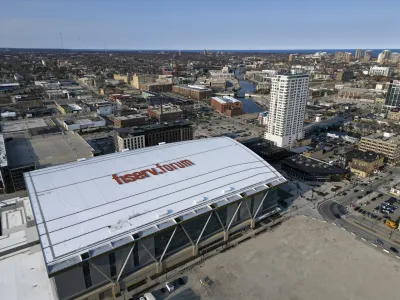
(151, 135)
(393, 94)
(348, 57)
(130, 120)
(139, 79)
(358, 54)
(386, 144)
(195, 92)
(113, 222)
(226, 105)
(380, 71)
(288, 102)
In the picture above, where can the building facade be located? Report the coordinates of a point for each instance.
(130, 120)
(288, 102)
(128, 138)
(193, 91)
(364, 164)
(226, 105)
(139, 79)
(344, 76)
(386, 144)
(380, 71)
(393, 94)
(358, 54)
(152, 135)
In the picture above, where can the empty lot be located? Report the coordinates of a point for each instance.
(300, 259)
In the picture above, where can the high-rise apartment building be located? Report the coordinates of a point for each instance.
(381, 58)
(386, 54)
(290, 57)
(367, 55)
(287, 108)
(358, 54)
(348, 57)
(393, 94)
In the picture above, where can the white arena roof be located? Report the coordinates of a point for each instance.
(97, 204)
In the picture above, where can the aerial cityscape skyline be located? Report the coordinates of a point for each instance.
(220, 24)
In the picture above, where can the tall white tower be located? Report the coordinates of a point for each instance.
(287, 108)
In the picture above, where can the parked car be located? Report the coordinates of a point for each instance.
(393, 249)
(379, 242)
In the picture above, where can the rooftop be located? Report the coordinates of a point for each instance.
(367, 156)
(130, 117)
(311, 165)
(46, 150)
(226, 99)
(21, 125)
(98, 204)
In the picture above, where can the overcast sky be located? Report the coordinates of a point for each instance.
(205, 24)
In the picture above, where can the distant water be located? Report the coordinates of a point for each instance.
(247, 87)
(375, 52)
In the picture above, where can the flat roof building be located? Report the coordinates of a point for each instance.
(386, 144)
(227, 105)
(130, 120)
(195, 92)
(117, 219)
(27, 153)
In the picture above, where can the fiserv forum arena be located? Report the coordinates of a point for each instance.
(112, 220)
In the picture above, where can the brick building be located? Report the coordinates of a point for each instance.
(193, 91)
(227, 105)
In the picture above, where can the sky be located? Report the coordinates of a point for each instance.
(196, 25)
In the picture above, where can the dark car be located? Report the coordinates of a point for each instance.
(373, 199)
(379, 242)
(355, 191)
(344, 194)
(380, 195)
(359, 197)
(357, 208)
(393, 249)
(379, 218)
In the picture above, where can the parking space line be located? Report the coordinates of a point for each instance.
(384, 250)
(344, 229)
(364, 239)
(374, 245)
(353, 233)
(334, 224)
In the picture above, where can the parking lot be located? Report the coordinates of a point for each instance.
(238, 128)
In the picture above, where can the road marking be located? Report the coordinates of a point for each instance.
(344, 229)
(353, 233)
(375, 245)
(324, 221)
(364, 239)
(334, 224)
(313, 218)
(384, 250)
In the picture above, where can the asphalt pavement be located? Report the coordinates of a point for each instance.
(336, 210)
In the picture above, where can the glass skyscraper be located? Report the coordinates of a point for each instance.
(393, 94)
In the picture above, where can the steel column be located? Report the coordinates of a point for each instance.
(204, 228)
(170, 239)
(126, 261)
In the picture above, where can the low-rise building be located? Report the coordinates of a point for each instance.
(311, 169)
(102, 107)
(215, 74)
(394, 114)
(166, 113)
(380, 71)
(386, 144)
(395, 190)
(193, 91)
(139, 79)
(130, 120)
(365, 164)
(156, 87)
(151, 135)
(227, 105)
(121, 77)
(84, 123)
(26, 151)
